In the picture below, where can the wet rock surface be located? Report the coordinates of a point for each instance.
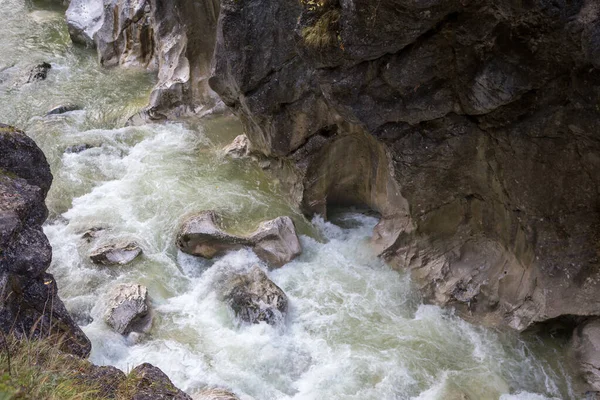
(473, 123)
(128, 309)
(176, 38)
(39, 72)
(119, 253)
(273, 241)
(29, 302)
(254, 298)
(63, 108)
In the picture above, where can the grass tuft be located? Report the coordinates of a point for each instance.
(324, 32)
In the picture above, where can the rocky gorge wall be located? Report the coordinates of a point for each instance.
(471, 126)
(29, 302)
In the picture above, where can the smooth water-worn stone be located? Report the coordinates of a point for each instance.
(84, 20)
(254, 298)
(238, 148)
(275, 241)
(202, 236)
(214, 394)
(150, 383)
(119, 253)
(29, 302)
(128, 309)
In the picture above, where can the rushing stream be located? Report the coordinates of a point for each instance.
(355, 330)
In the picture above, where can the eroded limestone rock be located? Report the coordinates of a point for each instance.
(239, 148)
(254, 298)
(585, 347)
(471, 126)
(273, 241)
(120, 253)
(128, 309)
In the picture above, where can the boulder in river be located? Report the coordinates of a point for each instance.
(150, 383)
(201, 236)
(274, 241)
(239, 148)
(254, 298)
(78, 148)
(119, 253)
(128, 309)
(214, 394)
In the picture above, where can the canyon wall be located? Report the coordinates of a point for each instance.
(471, 126)
(174, 38)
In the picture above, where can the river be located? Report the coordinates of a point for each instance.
(356, 329)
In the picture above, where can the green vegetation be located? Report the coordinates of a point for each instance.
(37, 370)
(324, 32)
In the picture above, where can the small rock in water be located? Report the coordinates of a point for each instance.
(254, 298)
(128, 309)
(120, 253)
(92, 233)
(39, 72)
(78, 148)
(274, 241)
(63, 108)
(239, 148)
(214, 394)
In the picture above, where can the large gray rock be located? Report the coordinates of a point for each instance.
(471, 126)
(254, 298)
(239, 148)
(150, 383)
(119, 253)
(274, 241)
(29, 302)
(128, 309)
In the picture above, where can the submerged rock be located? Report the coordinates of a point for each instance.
(39, 72)
(254, 298)
(214, 394)
(78, 148)
(239, 148)
(119, 253)
(128, 309)
(150, 383)
(274, 241)
(63, 108)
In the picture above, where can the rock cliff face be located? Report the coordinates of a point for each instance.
(29, 303)
(472, 126)
(176, 38)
